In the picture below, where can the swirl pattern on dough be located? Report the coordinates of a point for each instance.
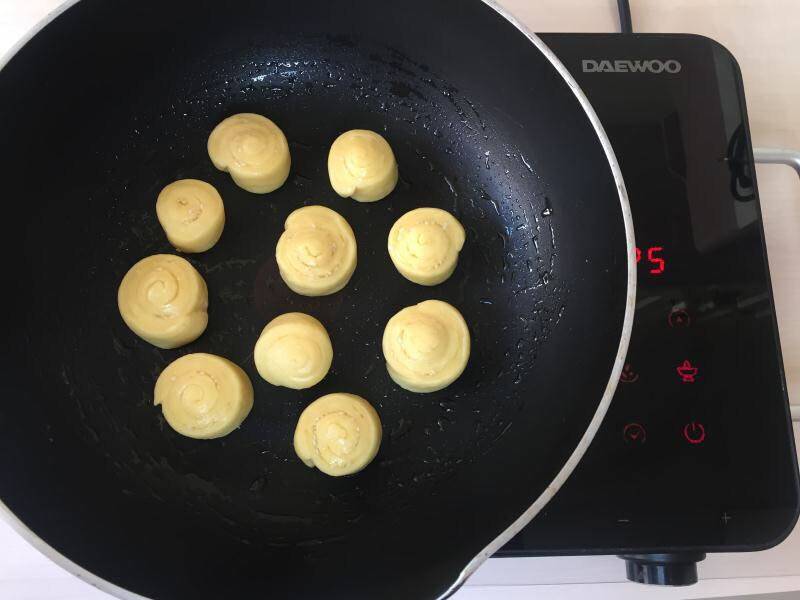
(362, 166)
(192, 214)
(426, 346)
(204, 396)
(424, 245)
(317, 252)
(253, 150)
(164, 300)
(339, 434)
(294, 351)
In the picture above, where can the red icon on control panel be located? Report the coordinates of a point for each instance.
(687, 372)
(679, 318)
(694, 433)
(634, 433)
(628, 374)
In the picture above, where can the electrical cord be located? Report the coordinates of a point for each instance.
(625, 20)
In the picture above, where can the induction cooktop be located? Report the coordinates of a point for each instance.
(696, 454)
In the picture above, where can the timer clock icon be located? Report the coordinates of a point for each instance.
(679, 318)
(634, 433)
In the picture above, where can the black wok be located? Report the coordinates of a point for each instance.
(113, 100)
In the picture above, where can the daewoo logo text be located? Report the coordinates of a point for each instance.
(632, 66)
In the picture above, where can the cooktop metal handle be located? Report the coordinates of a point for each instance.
(791, 158)
(778, 156)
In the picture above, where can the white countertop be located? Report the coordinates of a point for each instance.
(763, 34)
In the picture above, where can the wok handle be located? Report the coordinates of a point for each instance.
(790, 158)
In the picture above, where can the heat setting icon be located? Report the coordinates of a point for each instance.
(687, 371)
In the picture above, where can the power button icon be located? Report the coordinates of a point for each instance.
(694, 433)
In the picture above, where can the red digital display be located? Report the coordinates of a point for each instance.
(653, 257)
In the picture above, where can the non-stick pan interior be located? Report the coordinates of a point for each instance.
(115, 100)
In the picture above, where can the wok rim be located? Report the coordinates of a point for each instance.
(572, 462)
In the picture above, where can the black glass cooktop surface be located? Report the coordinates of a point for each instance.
(697, 451)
